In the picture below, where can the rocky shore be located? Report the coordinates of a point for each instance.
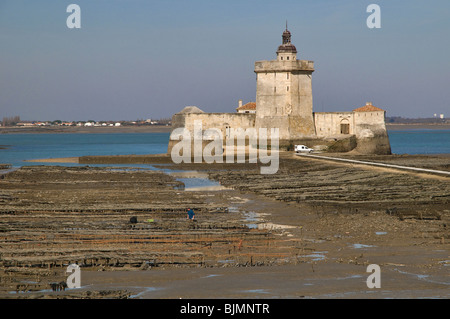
(311, 216)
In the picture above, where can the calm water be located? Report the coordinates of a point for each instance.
(20, 147)
(420, 141)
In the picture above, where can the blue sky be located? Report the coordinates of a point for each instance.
(148, 59)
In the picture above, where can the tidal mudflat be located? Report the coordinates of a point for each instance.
(308, 231)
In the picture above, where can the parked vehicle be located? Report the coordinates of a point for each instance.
(303, 149)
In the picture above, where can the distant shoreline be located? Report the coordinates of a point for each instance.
(85, 129)
(166, 129)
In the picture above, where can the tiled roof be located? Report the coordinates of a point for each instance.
(368, 108)
(248, 106)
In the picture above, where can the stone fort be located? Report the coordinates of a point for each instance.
(284, 100)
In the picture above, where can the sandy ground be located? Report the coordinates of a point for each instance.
(74, 160)
(332, 264)
(309, 231)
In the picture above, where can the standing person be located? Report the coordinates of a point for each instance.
(190, 214)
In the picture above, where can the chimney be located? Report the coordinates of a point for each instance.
(368, 103)
(240, 103)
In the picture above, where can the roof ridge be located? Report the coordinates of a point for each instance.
(368, 108)
(249, 105)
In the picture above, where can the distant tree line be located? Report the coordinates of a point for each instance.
(401, 120)
(165, 121)
(10, 121)
(14, 120)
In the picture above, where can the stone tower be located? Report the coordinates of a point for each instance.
(284, 93)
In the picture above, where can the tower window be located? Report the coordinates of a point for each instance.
(227, 131)
(281, 58)
(275, 89)
(288, 76)
(287, 58)
(287, 88)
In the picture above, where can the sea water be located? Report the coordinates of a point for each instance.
(420, 141)
(17, 148)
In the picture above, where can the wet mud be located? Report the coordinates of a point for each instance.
(308, 231)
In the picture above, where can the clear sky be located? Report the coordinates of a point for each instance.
(135, 59)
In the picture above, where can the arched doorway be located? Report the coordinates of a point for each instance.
(345, 126)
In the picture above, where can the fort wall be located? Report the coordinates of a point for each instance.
(284, 101)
